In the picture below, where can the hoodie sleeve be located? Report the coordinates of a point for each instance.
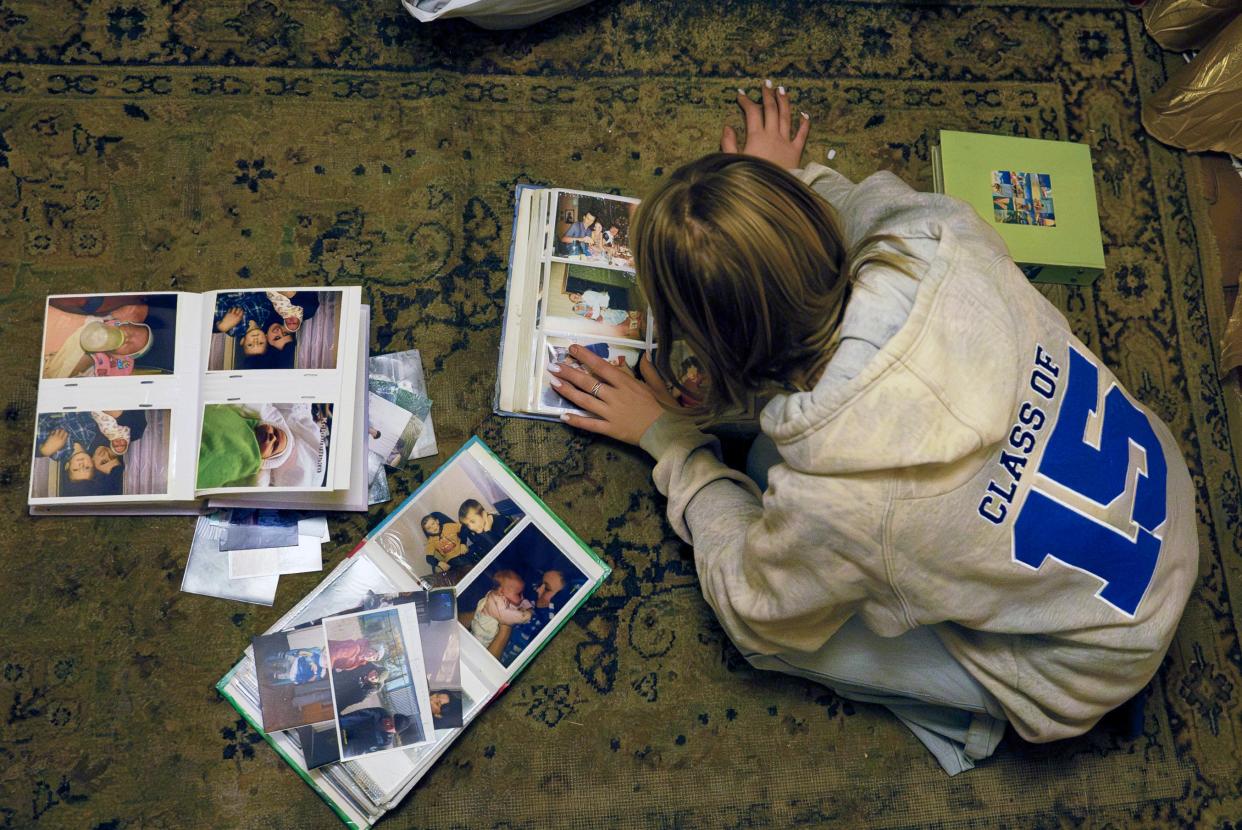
(766, 571)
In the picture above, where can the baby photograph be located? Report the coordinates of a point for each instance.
(378, 680)
(453, 523)
(556, 350)
(292, 670)
(109, 335)
(594, 301)
(275, 330)
(593, 229)
(514, 598)
(282, 445)
(119, 452)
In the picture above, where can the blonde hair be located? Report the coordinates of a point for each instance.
(748, 266)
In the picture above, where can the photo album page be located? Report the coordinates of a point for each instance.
(150, 401)
(473, 552)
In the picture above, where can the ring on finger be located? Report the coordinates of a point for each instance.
(595, 389)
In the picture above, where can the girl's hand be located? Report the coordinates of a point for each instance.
(768, 129)
(624, 406)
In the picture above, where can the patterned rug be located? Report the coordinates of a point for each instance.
(181, 145)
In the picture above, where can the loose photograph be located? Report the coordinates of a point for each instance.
(275, 330)
(379, 684)
(264, 445)
(118, 452)
(398, 379)
(110, 335)
(453, 523)
(556, 350)
(593, 229)
(595, 302)
(292, 670)
(437, 624)
(515, 597)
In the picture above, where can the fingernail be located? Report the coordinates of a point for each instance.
(832, 154)
(804, 115)
(554, 367)
(781, 90)
(767, 82)
(741, 91)
(564, 416)
(556, 383)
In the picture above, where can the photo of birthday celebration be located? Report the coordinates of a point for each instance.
(109, 335)
(275, 330)
(284, 445)
(514, 597)
(100, 453)
(452, 524)
(379, 687)
(594, 230)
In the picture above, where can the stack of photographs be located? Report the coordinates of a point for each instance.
(364, 684)
(151, 403)
(399, 427)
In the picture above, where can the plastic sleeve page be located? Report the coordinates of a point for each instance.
(516, 301)
(120, 374)
(289, 369)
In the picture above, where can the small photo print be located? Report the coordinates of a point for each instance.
(275, 330)
(398, 380)
(515, 597)
(693, 382)
(594, 230)
(118, 452)
(1020, 198)
(452, 524)
(292, 670)
(556, 350)
(110, 335)
(595, 302)
(437, 624)
(379, 684)
(282, 445)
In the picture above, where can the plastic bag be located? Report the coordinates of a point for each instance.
(1182, 25)
(490, 14)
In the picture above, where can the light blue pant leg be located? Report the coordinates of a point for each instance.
(913, 675)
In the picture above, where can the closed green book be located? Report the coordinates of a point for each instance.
(1038, 195)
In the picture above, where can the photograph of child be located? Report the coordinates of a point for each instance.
(275, 330)
(517, 594)
(292, 669)
(455, 521)
(593, 229)
(101, 453)
(109, 335)
(264, 445)
(595, 301)
(1020, 198)
(692, 380)
(556, 350)
(378, 677)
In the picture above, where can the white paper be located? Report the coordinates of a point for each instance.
(305, 556)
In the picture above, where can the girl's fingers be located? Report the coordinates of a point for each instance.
(597, 425)
(580, 399)
(799, 140)
(782, 111)
(752, 111)
(768, 93)
(599, 367)
(654, 382)
(728, 140)
(570, 377)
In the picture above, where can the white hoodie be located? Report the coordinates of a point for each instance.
(983, 474)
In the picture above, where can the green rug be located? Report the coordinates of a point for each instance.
(185, 145)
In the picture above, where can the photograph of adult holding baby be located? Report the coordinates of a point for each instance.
(954, 510)
(88, 453)
(109, 335)
(271, 329)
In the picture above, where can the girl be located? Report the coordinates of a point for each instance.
(443, 541)
(955, 510)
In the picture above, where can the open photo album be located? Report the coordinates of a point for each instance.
(161, 402)
(572, 280)
(368, 680)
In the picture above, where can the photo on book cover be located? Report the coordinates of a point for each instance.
(109, 335)
(556, 350)
(119, 452)
(451, 524)
(379, 683)
(516, 594)
(284, 445)
(292, 670)
(593, 229)
(594, 301)
(275, 330)
(1020, 198)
